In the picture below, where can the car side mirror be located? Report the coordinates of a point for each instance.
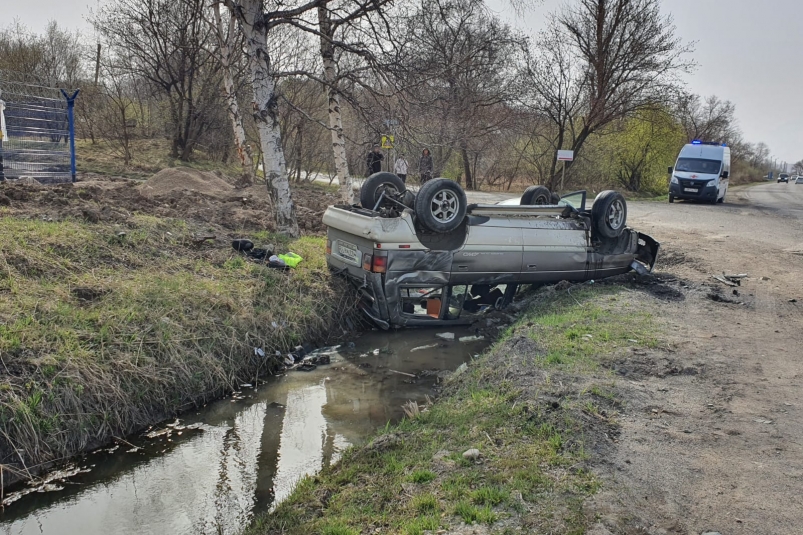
(670, 170)
(725, 174)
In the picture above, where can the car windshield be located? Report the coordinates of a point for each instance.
(783, 175)
(698, 165)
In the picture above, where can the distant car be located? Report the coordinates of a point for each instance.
(783, 177)
(799, 180)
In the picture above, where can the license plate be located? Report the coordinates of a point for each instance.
(691, 190)
(348, 251)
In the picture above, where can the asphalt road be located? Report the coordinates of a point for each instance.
(782, 199)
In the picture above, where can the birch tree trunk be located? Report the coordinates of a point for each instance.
(243, 149)
(253, 24)
(335, 117)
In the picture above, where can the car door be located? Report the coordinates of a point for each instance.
(554, 250)
(491, 253)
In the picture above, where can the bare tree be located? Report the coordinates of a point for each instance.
(228, 44)
(711, 119)
(168, 43)
(461, 75)
(630, 58)
(554, 87)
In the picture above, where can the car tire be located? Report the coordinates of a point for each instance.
(440, 205)
(609, 214)
(671, 199)
(536, 196)
(376, 184)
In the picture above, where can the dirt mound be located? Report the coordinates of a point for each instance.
(117, 200)
(174, 179)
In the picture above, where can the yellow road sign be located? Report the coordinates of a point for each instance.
(387, 142)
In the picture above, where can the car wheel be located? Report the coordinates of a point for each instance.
(671, 198)
(440, 205)
(609, 214)
(536, 195)
(377, 184)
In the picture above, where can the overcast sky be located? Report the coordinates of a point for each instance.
(748, 52)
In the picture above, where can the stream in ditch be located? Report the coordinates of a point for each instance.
(212, 470)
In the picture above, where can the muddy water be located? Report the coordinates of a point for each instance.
(218, 466)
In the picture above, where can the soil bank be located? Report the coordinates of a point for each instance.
(118, 310)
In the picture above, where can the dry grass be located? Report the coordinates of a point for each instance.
(108, 328)
(149, 156)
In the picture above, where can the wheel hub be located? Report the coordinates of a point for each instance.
(444, 206)
(616, 214)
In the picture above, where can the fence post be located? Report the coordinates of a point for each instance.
(71, 121)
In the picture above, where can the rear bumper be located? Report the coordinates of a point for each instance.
(647, 252)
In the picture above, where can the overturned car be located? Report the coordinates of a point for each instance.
(430, 258)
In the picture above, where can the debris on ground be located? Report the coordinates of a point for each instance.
(419, 348)
(445, 336)
(45, 484)
(460, 369)
(471, 338)
(731, 280)
(472, 454)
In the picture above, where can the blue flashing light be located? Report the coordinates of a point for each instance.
(696, 142)
(724, 144)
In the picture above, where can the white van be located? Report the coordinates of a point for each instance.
(701, 172)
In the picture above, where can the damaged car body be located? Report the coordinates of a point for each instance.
(407, 274)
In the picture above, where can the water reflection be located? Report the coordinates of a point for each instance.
(248, 454)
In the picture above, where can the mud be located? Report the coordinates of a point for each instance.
(195, 197)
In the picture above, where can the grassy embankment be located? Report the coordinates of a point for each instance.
(149, 156)
(539, 406)
(108, 328)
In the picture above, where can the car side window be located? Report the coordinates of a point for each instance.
(423, 302)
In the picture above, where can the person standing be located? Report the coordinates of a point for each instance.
(425, 166)
(374, 160)
(401, 168)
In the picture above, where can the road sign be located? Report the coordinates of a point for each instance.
(387, 142)
(565, 155)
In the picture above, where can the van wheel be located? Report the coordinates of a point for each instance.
(671, 199)
(536, 195)
(379, 183)
(440, 205)
(609, 214)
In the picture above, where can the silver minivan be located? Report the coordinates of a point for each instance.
(409, 274)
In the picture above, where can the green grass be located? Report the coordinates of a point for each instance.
(533, 454)
(101, 335)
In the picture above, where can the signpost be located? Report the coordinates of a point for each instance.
(564, 156)
(389, 142)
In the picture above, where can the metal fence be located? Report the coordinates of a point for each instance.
(39, 137)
